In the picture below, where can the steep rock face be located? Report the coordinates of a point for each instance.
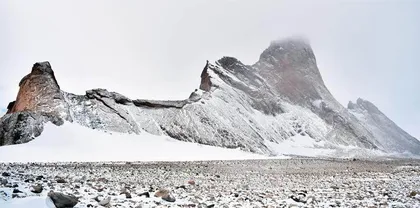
(40, 92)
(252, 107)
(39, 100)
(287, 73)
(289, 67)
(391, 136)
(205, 79)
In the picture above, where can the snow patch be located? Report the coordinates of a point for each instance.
(28, 202)
(317, 103)
(300, 145)
(72, 142)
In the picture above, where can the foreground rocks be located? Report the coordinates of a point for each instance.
(257, 183)
(61, 200)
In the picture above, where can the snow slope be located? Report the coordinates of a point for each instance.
(72, 142)
(29, 202)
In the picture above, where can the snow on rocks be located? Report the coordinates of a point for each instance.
(254, 183)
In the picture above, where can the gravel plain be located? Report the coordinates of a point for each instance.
(303, 182)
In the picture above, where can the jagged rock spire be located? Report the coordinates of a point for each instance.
(39, 92)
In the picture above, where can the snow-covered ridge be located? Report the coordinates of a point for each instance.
(388, 133)
(279, 101)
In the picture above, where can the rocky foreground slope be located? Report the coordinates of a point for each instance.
(266, 183)
(252, 107)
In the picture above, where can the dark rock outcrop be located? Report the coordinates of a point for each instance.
(63, 201)
(205, 79)
(39, 100)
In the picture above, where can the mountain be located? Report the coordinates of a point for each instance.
(388, 133)
(259, 108)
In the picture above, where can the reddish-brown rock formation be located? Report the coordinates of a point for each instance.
(205, 79)
(40, 92)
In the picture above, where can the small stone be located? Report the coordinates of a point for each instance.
(61, 200)
(61, 180)
(105, 202)
(191, 182)
(29, 180)
(181, 186)
(103, 180)
(165, 194)
(202, 205)
(169, 198)
(146, 194)
(5, 174)
(99, 189)
(4, 181)
(15, 191)
(335, 187)
(37, 189)
(123, 190)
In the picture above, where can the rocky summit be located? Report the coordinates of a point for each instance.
(252, 107)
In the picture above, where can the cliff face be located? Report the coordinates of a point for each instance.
(39, 100)
(40, 92)
(242, 106)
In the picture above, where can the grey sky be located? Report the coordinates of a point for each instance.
(157, 49)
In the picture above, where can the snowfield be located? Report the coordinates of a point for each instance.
(72, 142)
(29, 202)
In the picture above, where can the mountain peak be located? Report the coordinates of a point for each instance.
(289, 66)
(280, 48)
(296, 40)
(293, 55)
(42, 67)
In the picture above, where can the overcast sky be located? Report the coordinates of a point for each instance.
(157, 49)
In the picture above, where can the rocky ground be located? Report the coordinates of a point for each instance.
(253, 183)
